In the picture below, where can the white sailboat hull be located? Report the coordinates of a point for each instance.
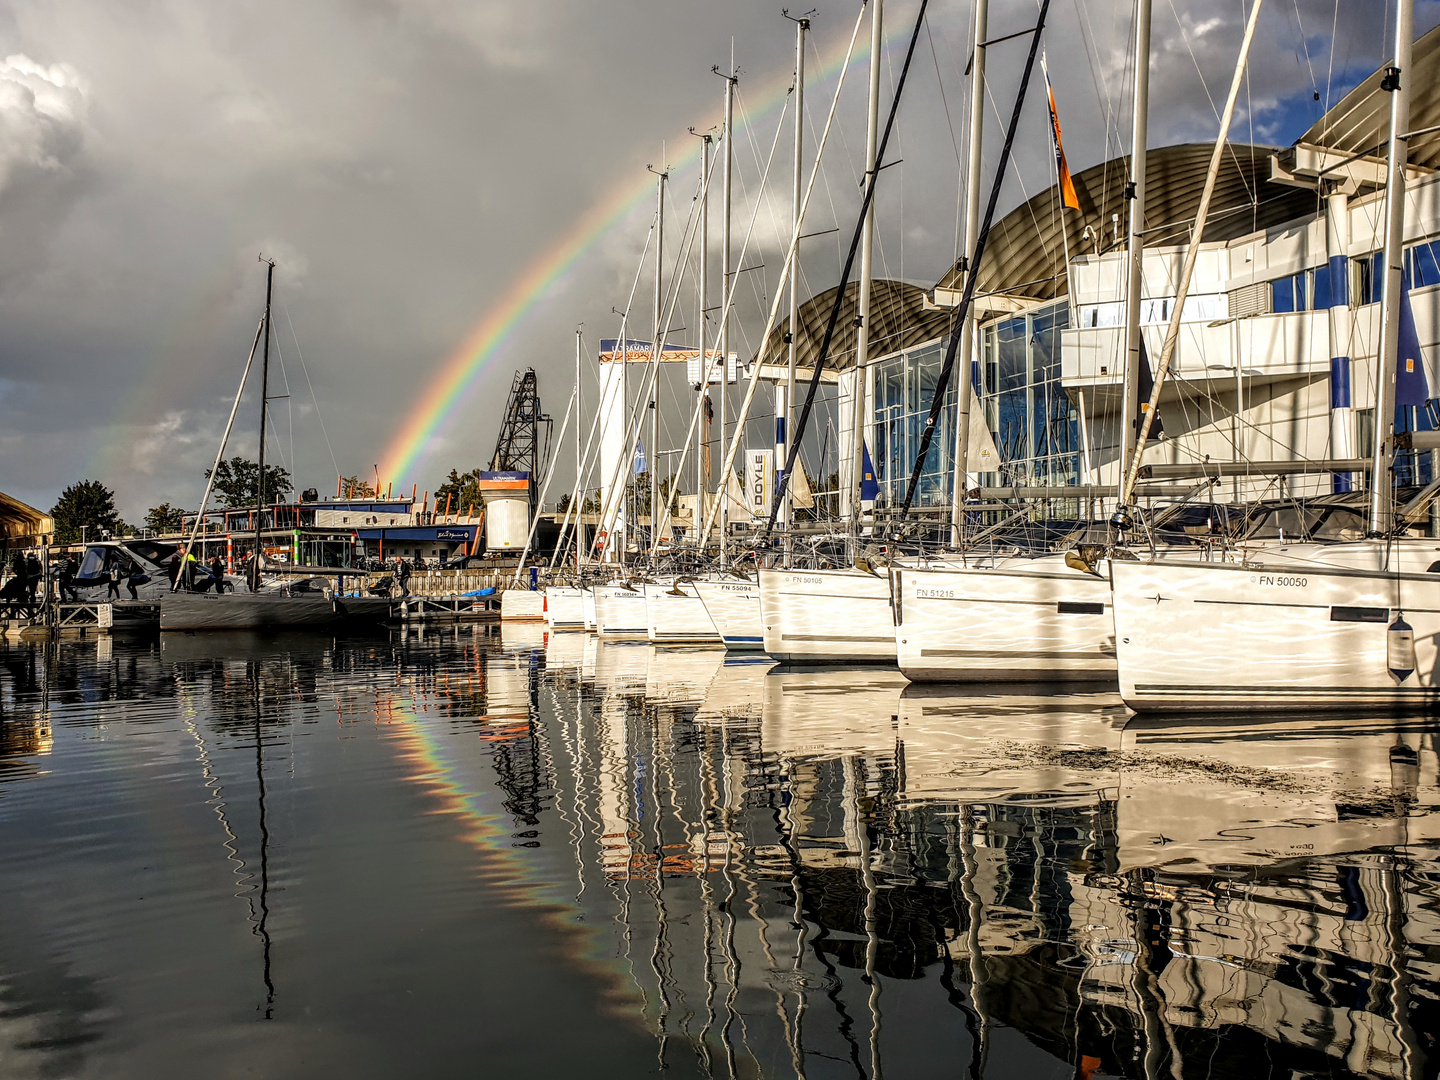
(1287, 635)
(522, 604)
(564, 608)
(675, 615)
(1031, 620)
(734, 608)
(589, 601)
(827, 616)
(620, 612)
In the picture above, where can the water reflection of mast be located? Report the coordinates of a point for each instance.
(707, 895)
(861, 823)
(786, 826)
(727, 938)
(1412, 1052)
(262, 927)
(976, 916)
(658, 959)
(759, 769)
(232, 843)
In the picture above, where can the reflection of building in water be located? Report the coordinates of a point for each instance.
(826, 873)
(783, 857)
(1211, 898)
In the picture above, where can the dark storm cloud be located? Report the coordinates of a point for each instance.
(404, 161)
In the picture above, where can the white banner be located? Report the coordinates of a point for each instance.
(692, 368)
(759, 482)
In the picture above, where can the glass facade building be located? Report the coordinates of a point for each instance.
(1035, 425)
(904, 388)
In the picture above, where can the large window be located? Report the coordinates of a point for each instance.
(1288, 293)
(1422, 268)
(1035, 426)
(904, 393)
(1017, 380)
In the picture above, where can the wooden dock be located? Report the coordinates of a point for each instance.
(447, 609)
(72, 619)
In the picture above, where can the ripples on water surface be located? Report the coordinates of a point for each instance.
(497, 854)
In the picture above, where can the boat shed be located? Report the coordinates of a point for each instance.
(23, 526)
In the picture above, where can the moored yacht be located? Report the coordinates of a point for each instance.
(675, 615)
(308, 602)
(522, 604)
(1300, 627)
(827, 616)
(142, 562)
(733, 605)
(1027, 620)
(620, 611)
(564, 607)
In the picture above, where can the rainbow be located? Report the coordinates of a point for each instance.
(447, 391)
(428, 750)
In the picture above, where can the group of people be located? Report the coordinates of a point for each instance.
(18, 594)
(188, 574)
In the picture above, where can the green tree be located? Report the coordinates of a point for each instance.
(165, 518)
(235, 482)
(463, 490)
(352, 487)
(88, 506)
(639, 492)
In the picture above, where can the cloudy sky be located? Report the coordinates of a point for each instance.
(406, 162)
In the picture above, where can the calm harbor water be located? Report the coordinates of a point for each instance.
(495, 853)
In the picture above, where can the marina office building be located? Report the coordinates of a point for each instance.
(337, 532)
(1276, 356)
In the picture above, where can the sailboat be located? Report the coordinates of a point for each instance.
(733, 604)
(1301, 626)
(675, 615)
(275, 603)
(840, 615)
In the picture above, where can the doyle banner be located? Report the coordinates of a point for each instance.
(759, 482)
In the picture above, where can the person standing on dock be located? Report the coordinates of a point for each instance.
(172, 568)
(33, 572)
(402, 573)
(112, 582)
(67, 579)
(134, 576)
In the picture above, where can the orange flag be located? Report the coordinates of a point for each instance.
(1062, 169)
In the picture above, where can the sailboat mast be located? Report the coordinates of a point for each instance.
(652, 461)
(1135, 230)
(702, 464)
(577, 494)
(964, 391)
(1397, 81)
(725, 273)
(867, 252)
(786, 404)
(264, 407)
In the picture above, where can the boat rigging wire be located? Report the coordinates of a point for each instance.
(314, 399)
(791, 259)
(1172, 332)
(835, 308)
(973, 276)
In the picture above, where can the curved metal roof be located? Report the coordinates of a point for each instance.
(1360, 122)
(1025, 258)
(898, 320)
